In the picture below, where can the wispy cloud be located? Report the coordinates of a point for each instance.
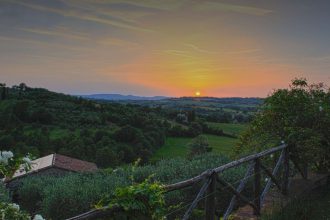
(196, 48)
(58, 31)
(211, 6)
(40, 43)
(165, 5)
(245, 51)
(178, 53)
(107, 9)
(116, 22)
(111, 41)
(65, 33)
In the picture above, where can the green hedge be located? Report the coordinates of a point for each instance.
(62, 197)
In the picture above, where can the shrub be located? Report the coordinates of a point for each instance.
(30, 195)
(142, 200)
(69, 195)
(11, 211)
(199, 145)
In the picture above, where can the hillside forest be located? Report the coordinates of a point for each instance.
(40, 122)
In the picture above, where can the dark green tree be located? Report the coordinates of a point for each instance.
(126, 134)
(21, 89)
(191, 115)
(199, 145)
(3, 89)
(41, 115)
(21, 110)
(106, 157)
(300, 116)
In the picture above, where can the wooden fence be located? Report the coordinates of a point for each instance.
(212, 177)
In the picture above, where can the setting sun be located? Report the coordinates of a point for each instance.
(197, 93)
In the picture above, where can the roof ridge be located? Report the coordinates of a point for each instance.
(54, 157)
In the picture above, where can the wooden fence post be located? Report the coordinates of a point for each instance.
(286, 171)
(210, 198)
(257, 187)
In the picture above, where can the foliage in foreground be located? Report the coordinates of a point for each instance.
(8, 165)
(141, 200)
(144, 200)
(300, 116)
(11, 211)
(62, 197)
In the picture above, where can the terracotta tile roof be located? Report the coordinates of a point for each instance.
(73, 164)
(59, 161)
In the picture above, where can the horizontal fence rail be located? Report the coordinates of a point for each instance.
(211, 177)
(222, 168)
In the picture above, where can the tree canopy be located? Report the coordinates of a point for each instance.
(299, 116)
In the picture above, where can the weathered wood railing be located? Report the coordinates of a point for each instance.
(211, 178)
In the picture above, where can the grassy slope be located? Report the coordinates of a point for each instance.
(221, 144)
(177, 146)
(229, 128)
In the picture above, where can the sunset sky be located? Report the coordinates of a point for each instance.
(164, 47)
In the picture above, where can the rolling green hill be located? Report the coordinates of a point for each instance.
(38, 121)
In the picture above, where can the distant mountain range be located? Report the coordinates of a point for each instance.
(119, 97)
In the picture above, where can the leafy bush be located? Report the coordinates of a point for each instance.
(65, 197)
(11, 211)
(30, 196)
(141, 200)
(199, 145)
